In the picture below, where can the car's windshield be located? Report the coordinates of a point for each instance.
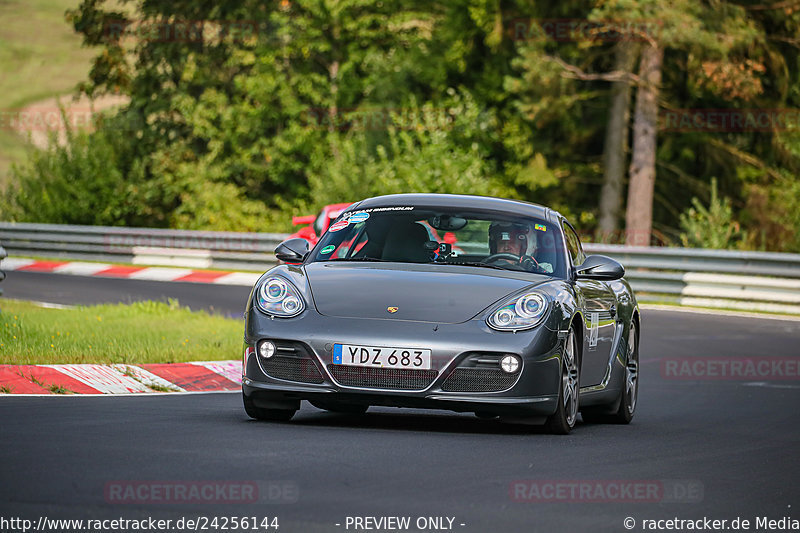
(444, 236)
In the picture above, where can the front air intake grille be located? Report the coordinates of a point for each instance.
(382, 378)
(291, 362)
(292, 369)
(479, 380)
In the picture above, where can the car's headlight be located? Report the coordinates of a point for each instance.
(523, 312)
(278, 297)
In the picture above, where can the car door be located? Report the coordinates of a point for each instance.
(598, 305)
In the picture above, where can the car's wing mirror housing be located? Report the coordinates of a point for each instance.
(600, 267)
(292, 250)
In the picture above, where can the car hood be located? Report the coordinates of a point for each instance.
(425, 293)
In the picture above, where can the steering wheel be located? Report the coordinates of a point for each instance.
(526, 262)
(508, 257)
(530, 263)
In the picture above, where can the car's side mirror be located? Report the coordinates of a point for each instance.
(600, 267)
(292, 250)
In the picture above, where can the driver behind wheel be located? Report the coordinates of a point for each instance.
(518, 240)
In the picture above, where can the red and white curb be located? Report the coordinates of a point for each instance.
(78, 268)
(209, 376)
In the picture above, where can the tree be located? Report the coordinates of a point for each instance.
(639, 215)
(615, 150)
(710, 30)
(258, 109)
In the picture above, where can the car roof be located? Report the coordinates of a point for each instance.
(489, 203)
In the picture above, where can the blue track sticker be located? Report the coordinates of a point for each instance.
(355, 218)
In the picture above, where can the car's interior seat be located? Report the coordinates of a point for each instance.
(406, 242)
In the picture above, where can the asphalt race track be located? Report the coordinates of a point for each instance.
(71, 290)
(708, 446)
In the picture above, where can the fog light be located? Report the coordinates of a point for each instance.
(509, 364)
(266, 349)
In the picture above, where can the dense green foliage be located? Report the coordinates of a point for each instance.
(712, 226)
(282, 107)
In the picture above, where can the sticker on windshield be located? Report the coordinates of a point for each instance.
(393, 208)
(339, 225)
(328, 249)
(361, 216)
(540, 227)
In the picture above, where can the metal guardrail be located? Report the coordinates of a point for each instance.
(701, 260)
(710, 278)
(751, 281)
(199, 249)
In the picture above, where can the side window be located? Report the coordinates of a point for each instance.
(573, 244)
(319, 223)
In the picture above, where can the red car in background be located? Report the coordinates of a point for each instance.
(318, 224)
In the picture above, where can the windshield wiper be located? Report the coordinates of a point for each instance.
(359, 259)
(474, 263)
(510, 268)
(459, 263)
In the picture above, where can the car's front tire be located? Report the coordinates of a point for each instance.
(260, 413)
(563, 420)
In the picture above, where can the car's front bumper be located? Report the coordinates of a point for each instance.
(531, 392)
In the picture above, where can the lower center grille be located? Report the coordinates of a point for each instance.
(382, 378)
(292, 369)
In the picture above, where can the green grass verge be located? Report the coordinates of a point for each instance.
(40, 57)
(142, 332)
(672, 303)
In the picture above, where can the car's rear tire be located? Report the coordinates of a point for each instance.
(260, 413)
(628, 396)
(343, 408)
(563, 420)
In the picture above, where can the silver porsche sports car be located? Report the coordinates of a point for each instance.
(465, 303)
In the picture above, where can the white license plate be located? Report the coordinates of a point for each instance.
(381, 356)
